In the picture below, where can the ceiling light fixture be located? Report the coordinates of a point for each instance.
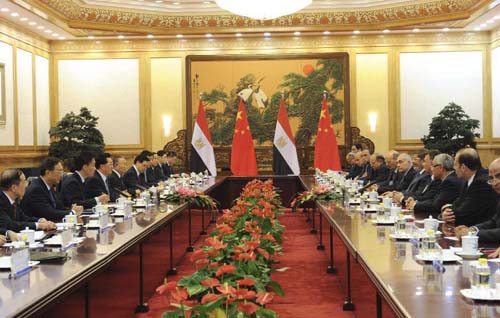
(446, 29)
(179, 36)
(14, 14)
(32, 23)
(47, 31)
(416, 30)
(121, 36)
(150, 36)
(326, 32)
(262, 9)
(5, 10)
(24, 19)
(356, 32)
(176, 3)
(266, 34)
(55, 35)
(490, 21)
(238, 34)
(208, 35)
(296, 33)
(90, 37)
(497, 17)
(40, 27)
(386, 31)
(477, 29)
(62, 38)
(483, 25)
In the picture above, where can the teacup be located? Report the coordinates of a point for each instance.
(29, 235)
(469, 244)
(70, 218)
(387, 202)
(431, 224)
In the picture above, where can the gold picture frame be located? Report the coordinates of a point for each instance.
(3, 110)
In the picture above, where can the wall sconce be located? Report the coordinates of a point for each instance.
(372, 120)
(167, 125)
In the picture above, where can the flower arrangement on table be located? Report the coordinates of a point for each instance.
(185, 194)
(317, 193)
(234, 263)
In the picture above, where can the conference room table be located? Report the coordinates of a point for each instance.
(410, 287)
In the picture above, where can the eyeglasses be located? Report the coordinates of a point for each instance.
(491, 179)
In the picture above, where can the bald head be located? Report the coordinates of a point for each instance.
(467, 162)
(494, 175)
(358, 159)
(391, 159)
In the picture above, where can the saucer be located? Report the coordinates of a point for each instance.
(491, 295)
(469, 256)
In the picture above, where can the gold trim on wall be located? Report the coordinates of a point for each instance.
(3, 106)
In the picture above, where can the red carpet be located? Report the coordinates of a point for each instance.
(309, 290)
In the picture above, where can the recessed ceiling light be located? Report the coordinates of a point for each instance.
(55, 35)
(356, 31)
(62, 38)
(32, 23)
(267, 34)
(176, 3)
(121, 36)
(446, 29)
(179, 36)
(206, 2)
(416, 30)
(296, 33)
(483, 25)
(497, 17)
(24, 19)
(326, 32)
(238, 34)
(159, 1)
(150, 36)
(90, 37)
(490, 21)
(40, 27)
(208, 35)
(477, 29)
(386, 31)
(14, 14)
(47, 31)
(5, 10)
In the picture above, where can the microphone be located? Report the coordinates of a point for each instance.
(125, 194)
(141, 187)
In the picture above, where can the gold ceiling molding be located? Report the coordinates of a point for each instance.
(77, 15)
(14, 33)
(258, 44)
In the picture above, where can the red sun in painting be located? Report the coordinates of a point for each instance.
(307, 69)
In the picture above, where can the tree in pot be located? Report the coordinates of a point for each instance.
(73, 134)
(451, 130)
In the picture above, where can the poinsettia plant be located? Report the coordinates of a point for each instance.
(186, 194)
(317, 193)
(235, 262)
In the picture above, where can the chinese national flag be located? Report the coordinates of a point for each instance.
(326, 152)
(243, 161)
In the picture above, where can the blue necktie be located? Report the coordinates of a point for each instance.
(52, 198)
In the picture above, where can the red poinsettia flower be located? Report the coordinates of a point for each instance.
(210, 282)
(225, 269)
(201, 263)
(226, 290)
(180, 294)
(198, 254)
(215, 243)
(269, 237)
(263, 252)
(248, 308)
(244, 293)
(246, 282)
(166, 287)
(208, 298)
(264, 298)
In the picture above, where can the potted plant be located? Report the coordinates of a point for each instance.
(451, 130)
(73, 134)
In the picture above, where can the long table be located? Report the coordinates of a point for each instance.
(411, 288)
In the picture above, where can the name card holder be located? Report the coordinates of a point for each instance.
(19, 263)
(66, 238)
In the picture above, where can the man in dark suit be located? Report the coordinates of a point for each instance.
(477, 200)
(115, 180)
(97, 184)
(366, 171)
(403, 178)
(134, 179)
(156, 165)
(379, 171)
(488, 231)
(423, 186)
(359, 164)
(73, 186)
(168, 166)
(442, 170)
(41, 199)
(13, 185)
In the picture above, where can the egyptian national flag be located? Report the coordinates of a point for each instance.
(243, 161)
(202, 150)
(285, 159)
(326, 151)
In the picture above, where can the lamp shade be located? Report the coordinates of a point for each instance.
(263, 9)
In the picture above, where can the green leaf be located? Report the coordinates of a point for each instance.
(277, 288)
(262, 312)
(196, 289)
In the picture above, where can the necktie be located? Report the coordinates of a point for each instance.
(14, 210)
(52, 198)
(107, 186)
